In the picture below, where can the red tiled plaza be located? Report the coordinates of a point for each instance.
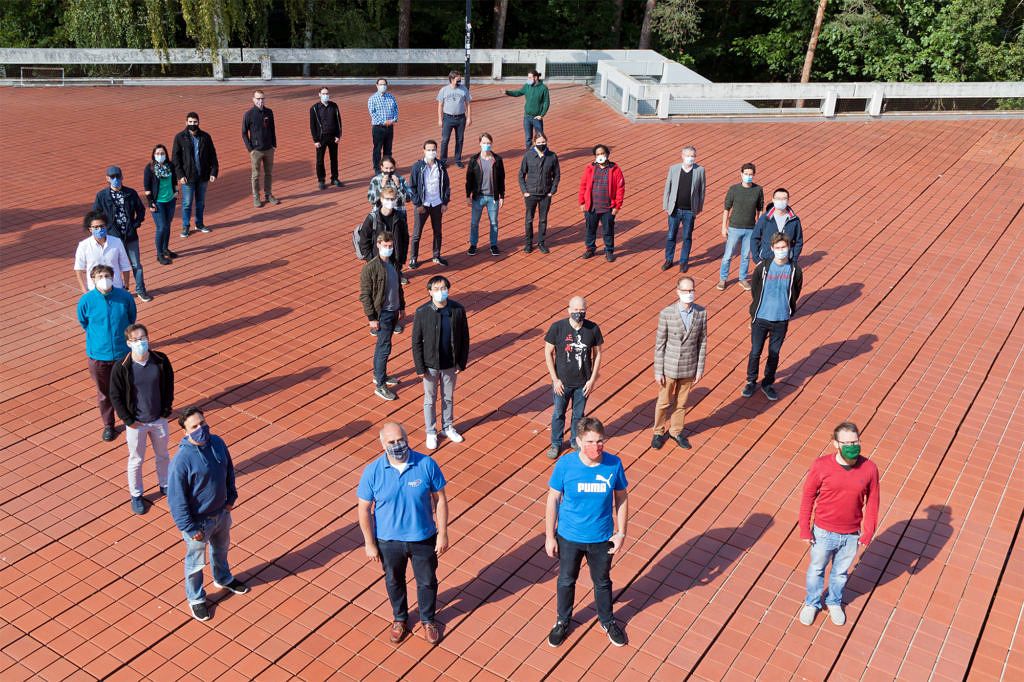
(910, 325)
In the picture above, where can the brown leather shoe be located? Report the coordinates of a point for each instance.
(397, 633)
(431, 633)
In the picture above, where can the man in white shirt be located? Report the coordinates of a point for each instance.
(99, 248)
(431, 192)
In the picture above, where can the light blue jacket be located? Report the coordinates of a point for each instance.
(104, 317)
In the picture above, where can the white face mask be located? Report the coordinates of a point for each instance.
(780, 204)
(387, 203)
(325, 98)
(386, 251)
(160, 158)
(382, 88)
(781, 254)
(688, 160)
(429, 155)
(686, 297)
(104, 284)
(601, 158)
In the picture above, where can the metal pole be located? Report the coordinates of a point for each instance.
(469, 27)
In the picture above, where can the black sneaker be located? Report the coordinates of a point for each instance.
(271, 199)
(610, 257)
(390, 381)
(528, 248)
(543, 248)
(471, 251)
(138, 506)
(203, 228)
(184, 233)
(683, 442)
(460, 164)
(494, 251)
(657, 441)
(413, 264)
(109, 434)
(143, 296)
(163, 260)
(385, 393)
(321, 185)
(558, 633)
(163, 490)
(403, 280)
(769, 393)
(399, 327)
(748, 389)
(337, 183)
(170, 254)
(589, 253)
(439, 260)
(615, 633)
(236, 586)
(200, 612)
(684, 267)
(666, 265)
(373, 332)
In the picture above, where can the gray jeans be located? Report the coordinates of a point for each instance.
(430, 381)
(266, 159)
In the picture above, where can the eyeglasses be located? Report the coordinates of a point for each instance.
(848, 442)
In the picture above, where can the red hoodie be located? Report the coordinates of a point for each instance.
(616, 185)
(844, 498)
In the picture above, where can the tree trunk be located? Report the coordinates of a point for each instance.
(501, 10)
(805, 75)
(404, 19)
(645, 30)
(617, 25)
(307, 41)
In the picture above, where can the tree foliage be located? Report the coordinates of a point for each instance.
(677, 24)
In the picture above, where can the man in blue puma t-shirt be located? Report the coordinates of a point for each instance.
(586, 501)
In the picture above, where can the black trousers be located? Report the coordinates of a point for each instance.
(434, 213)
(383, 136)
(327, 144)
(533, 202)
(775, 333)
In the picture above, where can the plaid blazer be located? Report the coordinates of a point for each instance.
(678, 352)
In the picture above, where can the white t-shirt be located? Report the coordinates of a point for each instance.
(90, 252)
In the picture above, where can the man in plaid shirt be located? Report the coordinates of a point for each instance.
(602, 190)
(383, 117)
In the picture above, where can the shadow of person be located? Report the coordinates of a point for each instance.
(698, 561)
(538, 398)
(904, 547)
(269, 458)
(317, 554)
(220, 328)
(266, 385)
(825, 357)
(832, 298)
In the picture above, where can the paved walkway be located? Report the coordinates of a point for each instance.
(910, 325)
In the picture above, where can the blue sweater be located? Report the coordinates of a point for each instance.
(104, 319)
(200, 483)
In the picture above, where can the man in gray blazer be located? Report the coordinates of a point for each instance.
(679, 351)
(683, 200)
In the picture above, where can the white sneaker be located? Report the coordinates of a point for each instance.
(835, 611)
(807, 614)
(451, 434)
(431, 441)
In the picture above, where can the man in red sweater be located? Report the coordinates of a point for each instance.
(602, 190)
(845, 486)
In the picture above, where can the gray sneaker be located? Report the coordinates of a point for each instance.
(836, 613)
(385, 393)
(807, 614)
(271, 199)
(554, 451)
(256, 202)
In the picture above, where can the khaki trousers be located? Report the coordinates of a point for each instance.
(266, 157)
(672, 399)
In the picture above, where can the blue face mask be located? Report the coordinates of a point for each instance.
(99, 232)
(397, 451)
(200, 435)
(140, 347)
(160, 158)
(115, 183)
(747, 178)
(439, 296)
(324, 98)
(484, 147)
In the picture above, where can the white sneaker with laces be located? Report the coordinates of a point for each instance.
(835, 611)
(431, 441)
(451, 434)
(807, 614)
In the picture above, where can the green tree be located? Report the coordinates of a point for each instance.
(677, 24)
(31, 23)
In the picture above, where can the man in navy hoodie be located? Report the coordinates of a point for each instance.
(778, 218)
(200, 493)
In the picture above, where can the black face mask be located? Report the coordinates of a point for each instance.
(192, 127)
(577, 317)
(541, 146)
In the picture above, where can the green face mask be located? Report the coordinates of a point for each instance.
(850, 452)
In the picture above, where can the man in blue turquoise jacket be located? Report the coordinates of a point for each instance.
(200, 493)
(104, 313)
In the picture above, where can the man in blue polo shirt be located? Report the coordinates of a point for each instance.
(586, 501)
(400, 495)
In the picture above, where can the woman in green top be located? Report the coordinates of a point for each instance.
(161, 185)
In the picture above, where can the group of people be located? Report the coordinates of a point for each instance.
(402, 502)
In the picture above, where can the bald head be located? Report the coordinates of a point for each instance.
(577, 304)
(391, 433)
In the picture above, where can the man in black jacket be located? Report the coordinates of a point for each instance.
(380, 292)
(142, 393)
(538, 181)
(195, 163)
(325, 127)
(385, 217)
(125, 211)
(485, 188)
(261, 140)
(440, 350)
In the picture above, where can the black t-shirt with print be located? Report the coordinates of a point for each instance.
(574, 350)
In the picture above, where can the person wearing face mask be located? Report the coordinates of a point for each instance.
(125, 213)
(572, 353)
(585, 516)
(775, 288)
(539, 175)
(201, 494)
(159, 182)
(389, 177)
(683, 199)
(602, 190)
(260, 138)
(431, 192)
(383, 299)
(100, 248)
(383, 117)
(841, 489)
(743, 204)
(142, 393)
(440, 350)
(485, 188)
(385, 217)
(779, 218)
(403, 515)
(325, 127)
(536, 107)
(104, 313)
(194, 159)
(453, 113)
(679, 351)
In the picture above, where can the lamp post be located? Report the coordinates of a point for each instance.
(469, 28)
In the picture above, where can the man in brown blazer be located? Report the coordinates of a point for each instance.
(679, 351)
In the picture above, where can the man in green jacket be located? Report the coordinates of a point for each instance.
(380, 292)
(537, 103)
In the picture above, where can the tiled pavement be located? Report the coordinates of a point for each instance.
(910, 325)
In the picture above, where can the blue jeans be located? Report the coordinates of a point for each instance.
(394, 556)
(492, 215)
(162, 216)
(674, 218)
(531, 124)
(579, 406)
(743, 237)
(216, 538)
(192, 192)
(841, 549)
(607, 221)
(448, 124)
(775, 333)
(387, 320)
(570, 558)
(135, 258)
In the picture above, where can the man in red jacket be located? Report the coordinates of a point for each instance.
(602, 190)
(843, 486)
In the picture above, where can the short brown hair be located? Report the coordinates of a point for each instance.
(385, 237)
(590, 425)
(780, 237)
(130, 329)
(101, 269)
(849, 427)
